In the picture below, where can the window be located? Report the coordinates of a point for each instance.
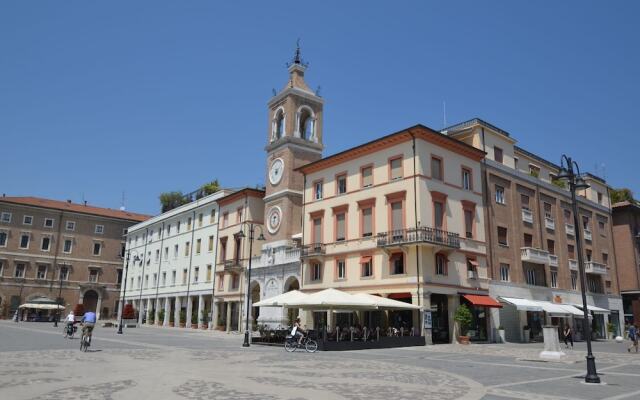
(500, 199)
(173, 277)
(175, 251)
(166, 253)
(123, 249)
(600, 198)
(605, 258)
(5, 217)
(159, 233)
(585, 222)
(341, 269)
(64, 274)
(551, 246)
(367, 222)
(515, 162)
(397, 264)
(367, 266)
(187, 248)
(200, 217)
(20, 271)
(212, 216)
(70, 226)
(530, 276)
(157, 257)
(554, 279)
(223, 249)
(3, 238)
(468, 223)
(46, 243)
(97, 248)
(502, 236)
(367, 177)
(504, 272)
(235, 281)
(99, 229)
(602, 227)
(178, 226)
(524, 202)
(571, 250)
(210, 244)
(41, 273)
(317, 231)
(547, 211)
(317, 190)
(436, 168)
(239, 215)
(68, 246)
(341, 182)
(169, 230)
(196, 272)
(438, 213)
(1, 267)
(238, 248)
(316, 271)
(497, 154)
(341, 227)
(221, 281)
(198, 246)
(466, 179)
(528, 240)
(441, 264)
(189, 222)
(184, 276)
(225, 220)
(567, 216)
(155, 279)
(24, 240)
(164, 278)
(27, 220)
(209, 273)
(395, 168)
(534, 170)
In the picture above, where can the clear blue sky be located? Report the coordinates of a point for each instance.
(97, 98)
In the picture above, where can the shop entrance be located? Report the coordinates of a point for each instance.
(440, 318)
(535, 321)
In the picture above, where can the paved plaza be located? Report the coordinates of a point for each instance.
(36, 362)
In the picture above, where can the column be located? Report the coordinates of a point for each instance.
(189, 311)
(427, 333)
(119, 313)
(214, 314)
(167, 310)
(228, 322)
(141, 311)
(240, 313)
(201, 315)
(176, 312)
(149, 307)
(453, 301)
(98, 307)
(156, 312)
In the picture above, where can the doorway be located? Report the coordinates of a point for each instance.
(440, 318)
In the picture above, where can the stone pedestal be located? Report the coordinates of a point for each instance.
(551, 344)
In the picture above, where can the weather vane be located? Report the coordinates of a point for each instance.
(297, 58)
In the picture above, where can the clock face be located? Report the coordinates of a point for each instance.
(276, 170)
(274, 219)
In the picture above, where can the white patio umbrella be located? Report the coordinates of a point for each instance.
(282, 300)
(334, 299)
(384, 303)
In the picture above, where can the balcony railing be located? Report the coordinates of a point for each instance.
(570, 229)
(592, 267)
(420, 235)
(527, 216)
(553, 260)
(532, 255)
(573, 265)
(550, 223)
(587, 235)
(313, 249)
(232, 265)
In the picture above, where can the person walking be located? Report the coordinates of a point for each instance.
(633, 336)
(568, 336)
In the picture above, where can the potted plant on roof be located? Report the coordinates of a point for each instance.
(463, 318)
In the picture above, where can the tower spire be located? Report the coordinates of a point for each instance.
(297, 58)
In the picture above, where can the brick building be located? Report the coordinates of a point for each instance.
(626, 235)
(51, 249)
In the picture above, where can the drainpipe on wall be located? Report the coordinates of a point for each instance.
(416, 224)
(488, 206)
(155, 304)
(144, 263)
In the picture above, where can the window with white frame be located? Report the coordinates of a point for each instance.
(530, 276)
(504, 272)
(574, 280)
(3, 238)
(68, 246)
(173, 277)
(367, 266)
(341, 269)
(196, 272)
(317, 190)
(41, 273)
(20, 270)
(211, 243)
(70, 226)
(185, 273)
(466, 179)
(63, 273)
(45, 245)
(341, 184)
(200, 217)
(5, 217)
(316, 271)
(155, 279)
(500, 199)
(166, 253)
(175, 251)
(198, 246)
(27, 220)
(554, 279)
(146, 281)
(48, 222)
(209, 271)
(164, 278)
(97, 248)
(24, 240)
(441, 264)
(395, 168)
(157, 257)
(212, 217)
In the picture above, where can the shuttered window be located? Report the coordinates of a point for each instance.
(317, 230)
(367, 222)
(396, 168)
(396, 216)
(340, 227)
(367, 177)
(438, 214)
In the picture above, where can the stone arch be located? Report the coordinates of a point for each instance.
(256, 296)
(90, 300)
(278, 124)
(291, 283)
(306, 123)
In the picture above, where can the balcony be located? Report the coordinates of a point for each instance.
(550, 223)
(232, 266)
(527, 216)
(573, 265)
(424, 235)
(553, 260)
(592, 267)
(587, 235)
(536, 256)
(313, 250)
(570, 229)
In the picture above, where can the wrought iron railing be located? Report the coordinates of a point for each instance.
(313, 249)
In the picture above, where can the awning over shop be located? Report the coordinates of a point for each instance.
(594, 309)
(482, 300)
(333, 299)
(38, 306)
(384, 303)
(523, 304)
(282, 300)
(546, 306)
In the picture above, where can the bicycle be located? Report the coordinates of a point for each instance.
(291, 344)
(85, 340)
(69, 330)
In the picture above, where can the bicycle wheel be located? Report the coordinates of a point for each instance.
(311, 346)
(82, 343)
(290, 346)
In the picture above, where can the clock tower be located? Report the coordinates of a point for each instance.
(294, 139)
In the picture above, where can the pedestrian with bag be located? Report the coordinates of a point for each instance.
(633, 336)
(568, 336)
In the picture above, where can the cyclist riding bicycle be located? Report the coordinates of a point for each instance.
(70, 319)
(88, 321)
(297, 330)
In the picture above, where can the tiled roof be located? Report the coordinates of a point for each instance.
(73, 207)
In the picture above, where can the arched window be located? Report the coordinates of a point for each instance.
(279, 125)
(306, 124)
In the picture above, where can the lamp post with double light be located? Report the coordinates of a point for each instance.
(124, 291)
(241, 235)
(55, 322)
(570, 172)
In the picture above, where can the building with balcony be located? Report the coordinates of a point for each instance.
(626, 234)
(400, 217)
(531, 234)
(65, 252)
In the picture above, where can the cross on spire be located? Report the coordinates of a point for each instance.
(297, 58)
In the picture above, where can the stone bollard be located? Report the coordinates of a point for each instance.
(551, 344)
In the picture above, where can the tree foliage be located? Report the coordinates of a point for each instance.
(208, 188)
(622, 194)
(463, 317)
(128, 312)
(171, 200)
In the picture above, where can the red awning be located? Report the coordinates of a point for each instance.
(365, 259)
(473, 262)
(481, 300)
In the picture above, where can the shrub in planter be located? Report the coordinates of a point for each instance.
(204, 319)
(78, 310)
(151, 318)
(463, 318)
(194, 319)
(160, 316)
(128, 312)
(183, 318)
(611, 328)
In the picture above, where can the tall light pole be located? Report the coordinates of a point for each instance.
(241, 235)
(570, 172)
(124, 291)
(55, 323)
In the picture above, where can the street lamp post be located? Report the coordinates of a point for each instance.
(241, 235)
(55, 322)
(570, 172)
(124, 291)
